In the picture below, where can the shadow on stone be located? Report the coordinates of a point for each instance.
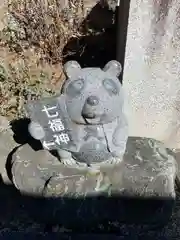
(8, 165)
(21, 134)
(102, 214)
(98, 48)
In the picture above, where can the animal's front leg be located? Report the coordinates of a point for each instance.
(66, 157)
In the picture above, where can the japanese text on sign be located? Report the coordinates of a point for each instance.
(56, 125)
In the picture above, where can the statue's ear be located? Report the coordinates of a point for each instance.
(71, 68)
(114, 67)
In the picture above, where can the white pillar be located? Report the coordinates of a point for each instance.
(152, 70)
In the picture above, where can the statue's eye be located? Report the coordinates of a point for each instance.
(75, 87)
(111, 86)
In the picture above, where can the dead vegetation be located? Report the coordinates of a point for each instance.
(44, 24)
(32, 38)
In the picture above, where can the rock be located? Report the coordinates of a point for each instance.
(147, 170)
(32, 169)
(148, 163)
(7, 144)
(177, 157)
(145, 179)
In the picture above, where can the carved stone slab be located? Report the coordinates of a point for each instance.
(51, 115)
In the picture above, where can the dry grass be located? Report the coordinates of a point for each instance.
(32, 38)
(45, 25)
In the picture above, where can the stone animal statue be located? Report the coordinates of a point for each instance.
(94, 102)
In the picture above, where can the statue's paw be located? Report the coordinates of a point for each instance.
(36, 130)
(66, 157)
(68, 161)
(115, 160)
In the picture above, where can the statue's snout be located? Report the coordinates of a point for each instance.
(92, 100)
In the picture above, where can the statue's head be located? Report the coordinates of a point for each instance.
(93, 95)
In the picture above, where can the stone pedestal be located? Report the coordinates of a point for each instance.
(138, 190)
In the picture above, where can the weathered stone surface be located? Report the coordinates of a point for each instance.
(7, 144)
(151, 71)
(177, 157)
(147, 170)
(146, 176)
(32, 169)
(37, 167)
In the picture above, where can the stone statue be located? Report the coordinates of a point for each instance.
(94, 100)
(100, 160)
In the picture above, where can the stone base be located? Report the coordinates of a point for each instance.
(138, 190)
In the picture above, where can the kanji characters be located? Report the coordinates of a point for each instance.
(48, 145)
(47, 109)
(61, 138)
(56, 125)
